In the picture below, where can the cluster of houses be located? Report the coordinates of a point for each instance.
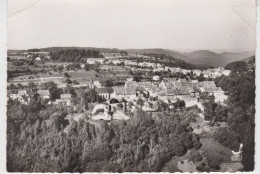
(216, 72)
(156, 67)
(25, 96)
(168, 90)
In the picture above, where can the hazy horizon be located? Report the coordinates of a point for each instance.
(186, 25)
(182, 50)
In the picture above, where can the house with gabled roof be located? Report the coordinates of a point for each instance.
(166, 82)
(65, 96)
(145, 84)
(126, 93)
(196, 72)
(105, 93)
(65, 99)
(45, 94)
(131, 84)
(24, 100)
(26, 92)
(20, 98)
(182, 80)
(207, 84)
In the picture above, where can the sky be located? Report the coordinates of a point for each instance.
(125, 24)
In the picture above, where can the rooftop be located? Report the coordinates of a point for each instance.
(65, 96)
(104, 90)
(44, 92)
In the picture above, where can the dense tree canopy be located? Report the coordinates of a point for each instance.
(237, 66)
(71, 55)
(45, 140)
(240, 109)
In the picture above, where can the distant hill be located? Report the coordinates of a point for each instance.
(206, 57)
(249, 59)
(102, 50)
(200, 57)
(48, 49)
(238, 55)
(175, 54)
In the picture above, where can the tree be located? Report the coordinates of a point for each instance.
(140, 102)
(108, 83)
(54, 92)
(137, 78)
(66, 75)
(120, 105)
(68, 81)
(60, 68)
(31, 85)
(201, 77)
(75, 82)
(237, 66)
(86, 67)
(179, 104)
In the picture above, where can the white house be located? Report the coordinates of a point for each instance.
(97, 84)
(156, 78)
(20, 98)
(127, 93)
(82, 65)
(196, 72)
(44, 94)
(64, 100)
(95, 60)
(105, 92)
(226, 72)
(38, 59)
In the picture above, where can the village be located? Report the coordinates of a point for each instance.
(116, 101)
(129, 87)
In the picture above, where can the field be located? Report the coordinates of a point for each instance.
(105, 72)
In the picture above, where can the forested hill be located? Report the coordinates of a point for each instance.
(42, 140)
(55, 49)
(249, 60)
(200, 57)
(174, 62)
(240, 109)
(71, 55)
(102, 50)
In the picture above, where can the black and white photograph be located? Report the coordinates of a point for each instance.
(130, 86)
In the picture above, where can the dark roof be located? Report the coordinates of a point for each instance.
(104, 90)
(45, 101)
(196, 89)
(29, 92)
(24, 98)
(113, 100)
